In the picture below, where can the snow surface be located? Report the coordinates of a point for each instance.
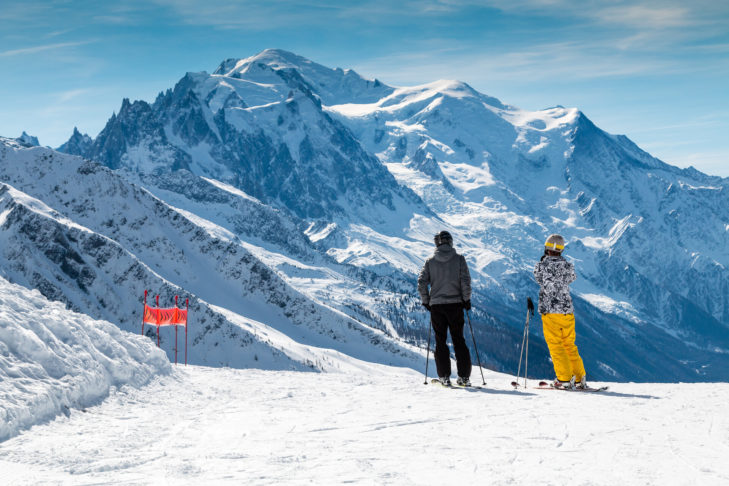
(377, 426)
(53, 360)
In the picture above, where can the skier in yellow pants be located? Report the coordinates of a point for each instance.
(554, 275)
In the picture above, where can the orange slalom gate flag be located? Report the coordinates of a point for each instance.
(171, 316)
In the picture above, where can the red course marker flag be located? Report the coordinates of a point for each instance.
(167, 316)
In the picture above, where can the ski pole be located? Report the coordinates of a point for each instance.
(475, 347)
(530, 308)
(521, 353)
(525, 337)
(427, 355)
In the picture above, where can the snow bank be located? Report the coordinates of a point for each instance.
(53, 360)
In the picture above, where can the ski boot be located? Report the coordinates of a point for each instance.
(463, 381)
(445, 380)
(567, 385)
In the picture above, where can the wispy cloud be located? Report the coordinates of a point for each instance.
(715, 120)
(273, 14)
(67, 96)
(24, 11)
(57, 33)
(550, 61)
(646, 17)
(253, 15)
(675, 19)
(709, 162)
(41, 48)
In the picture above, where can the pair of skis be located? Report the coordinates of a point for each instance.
(543, 385)
(436, 381)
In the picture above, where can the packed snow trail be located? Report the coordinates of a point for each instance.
(226, 426)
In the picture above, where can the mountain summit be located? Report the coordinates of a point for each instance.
(332, 86)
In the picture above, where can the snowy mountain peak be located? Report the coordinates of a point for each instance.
(452, 87)
(333, 86)
(274, 58)
(78, 144)
(543, 120)
(28, 140)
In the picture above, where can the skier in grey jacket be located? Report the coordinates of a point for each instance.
(446, 272)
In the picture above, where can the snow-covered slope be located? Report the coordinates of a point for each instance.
(370, 172)
(53, 361)
(110, 239)
(509, 177)
(228, 426)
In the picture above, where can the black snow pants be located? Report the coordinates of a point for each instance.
(444, 317)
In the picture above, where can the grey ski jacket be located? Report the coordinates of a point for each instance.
(554, 275)
(447, 274)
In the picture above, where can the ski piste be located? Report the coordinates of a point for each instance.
(453, 385)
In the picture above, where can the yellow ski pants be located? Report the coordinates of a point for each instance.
(559, 332)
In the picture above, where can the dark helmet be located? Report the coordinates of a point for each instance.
(443, 238)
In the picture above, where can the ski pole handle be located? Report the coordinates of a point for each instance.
(530, 305)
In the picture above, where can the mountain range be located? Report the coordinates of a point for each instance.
(295, 204)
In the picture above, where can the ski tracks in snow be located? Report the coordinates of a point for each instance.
(226, 426)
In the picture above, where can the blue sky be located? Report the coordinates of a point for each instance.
(656, 71)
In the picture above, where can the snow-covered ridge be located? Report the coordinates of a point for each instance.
(239, 301)
(54, 361)
(426, 94)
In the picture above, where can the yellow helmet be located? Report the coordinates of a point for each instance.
(554, 243)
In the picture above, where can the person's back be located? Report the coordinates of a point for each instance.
(446, 273)
(554, 275)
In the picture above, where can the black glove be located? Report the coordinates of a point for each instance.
(467, 305)
(530, 305)
(427, 306)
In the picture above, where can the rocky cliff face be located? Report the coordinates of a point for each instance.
(78, 144)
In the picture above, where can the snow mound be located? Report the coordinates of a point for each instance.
(53, 360)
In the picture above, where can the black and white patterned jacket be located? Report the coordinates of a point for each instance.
(554, 275)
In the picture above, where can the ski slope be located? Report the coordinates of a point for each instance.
(377, 426)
